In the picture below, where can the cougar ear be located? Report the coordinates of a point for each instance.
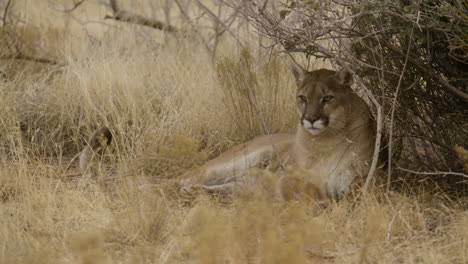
(345, 77)
(298, 72)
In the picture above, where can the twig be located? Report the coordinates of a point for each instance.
(380, 123)
(20, 56)
(220, 22)
(217, 35)
(443, 173)
(392, 116)
(139, 20)
(229, 21)
(67, 10)
(390, 225)
(378, 142)
(5, 13)
(125, 16)
(194, 28)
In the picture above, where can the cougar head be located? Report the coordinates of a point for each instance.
(321, 99)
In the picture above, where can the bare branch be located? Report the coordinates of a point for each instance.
(139, 20)
(20, 56)
(390, 224)
(194, 28)
(229, 21)
(66, 10)
(125, 16)
(378, 142)
(443, 173)
(5, 13)
(218, 20)
(392, 117)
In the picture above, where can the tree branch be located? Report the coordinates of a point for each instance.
(67, 10)
(443, 173)
(392, 115)
(20, 56)
(194, 28)
(219, 22)
(125, 16)
(5, 13)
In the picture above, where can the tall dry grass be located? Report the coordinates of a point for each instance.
(171, 108)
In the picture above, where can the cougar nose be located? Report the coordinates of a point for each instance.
(312, 119)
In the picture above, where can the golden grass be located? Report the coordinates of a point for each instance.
(170, 109)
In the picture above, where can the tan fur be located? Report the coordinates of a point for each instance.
(331, 155)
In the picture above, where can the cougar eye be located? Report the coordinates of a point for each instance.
(327, 99)
(302, 98)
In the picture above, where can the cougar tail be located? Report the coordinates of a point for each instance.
(99, 140)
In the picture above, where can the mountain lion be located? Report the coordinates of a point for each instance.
(333, 143)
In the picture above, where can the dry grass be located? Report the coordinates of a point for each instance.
(170, 109)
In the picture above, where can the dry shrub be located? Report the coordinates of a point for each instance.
(255, 92)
